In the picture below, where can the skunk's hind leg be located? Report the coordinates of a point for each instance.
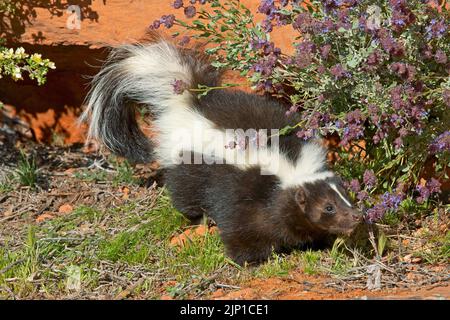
(196, 215)
(186, 187)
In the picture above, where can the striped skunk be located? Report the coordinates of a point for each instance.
(272, 197)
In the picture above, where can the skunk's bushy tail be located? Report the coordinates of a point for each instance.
(141, 75)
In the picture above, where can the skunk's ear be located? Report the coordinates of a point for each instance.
(300, 198)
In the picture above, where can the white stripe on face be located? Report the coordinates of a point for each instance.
(333, 186)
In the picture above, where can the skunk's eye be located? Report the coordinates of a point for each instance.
(330, 209)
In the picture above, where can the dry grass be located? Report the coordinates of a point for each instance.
(96, 228)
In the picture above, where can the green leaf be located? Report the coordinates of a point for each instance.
(286, 130)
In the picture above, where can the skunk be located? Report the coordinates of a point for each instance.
(273, 197)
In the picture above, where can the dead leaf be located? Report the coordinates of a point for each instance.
(190, 234)
(65, 209)
(407, 258)
(126, 193)
(8, 211)
(201, 230)
(43, 217)
(69, 172)
(416, 260)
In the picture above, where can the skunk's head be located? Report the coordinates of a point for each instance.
(326, 206)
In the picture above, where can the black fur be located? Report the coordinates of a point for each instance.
(240, 110)
(254, 215)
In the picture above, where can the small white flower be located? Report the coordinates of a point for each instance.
(20, 51)
(17, 74)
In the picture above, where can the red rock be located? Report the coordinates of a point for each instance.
(54, 107)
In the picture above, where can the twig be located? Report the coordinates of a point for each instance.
(11, 293)
(129, 290)
(222, 285)
(14, 215)
(12, 265)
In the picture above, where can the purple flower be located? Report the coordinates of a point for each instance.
(398, 143)
(389, 44)
(362, 195)
(177, 4)
(306, 47)
(355, 186)
(355, 116)
(268, 86)
(436, 29)
(305, 23)
(434, 185)
(266, 65)
(352, 132)
(425, 191)
(404, 70)
(325, 51)
(179, 86)
(402, 16)
(396, 98)
(190, 11)
(155, 24)
(338, 71)
(354, 128)
(266, 7)
(184, 41)
(427, 51)
(168, 20)
(424, 194)
(441, 143)
(391, 201)
(446, 97)
(403, 132)
(375, 213)
(259, 43)
(373, 111)
(378, 136)
(440, 57)
(369, 178)
(267, 25)
(326, 26)
(292, 109)
(305, 134)
(374, 60)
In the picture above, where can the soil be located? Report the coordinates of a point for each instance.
(299, 286)
(61, 191)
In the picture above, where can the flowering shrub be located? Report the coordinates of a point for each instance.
(373, 73)
(15, 63)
